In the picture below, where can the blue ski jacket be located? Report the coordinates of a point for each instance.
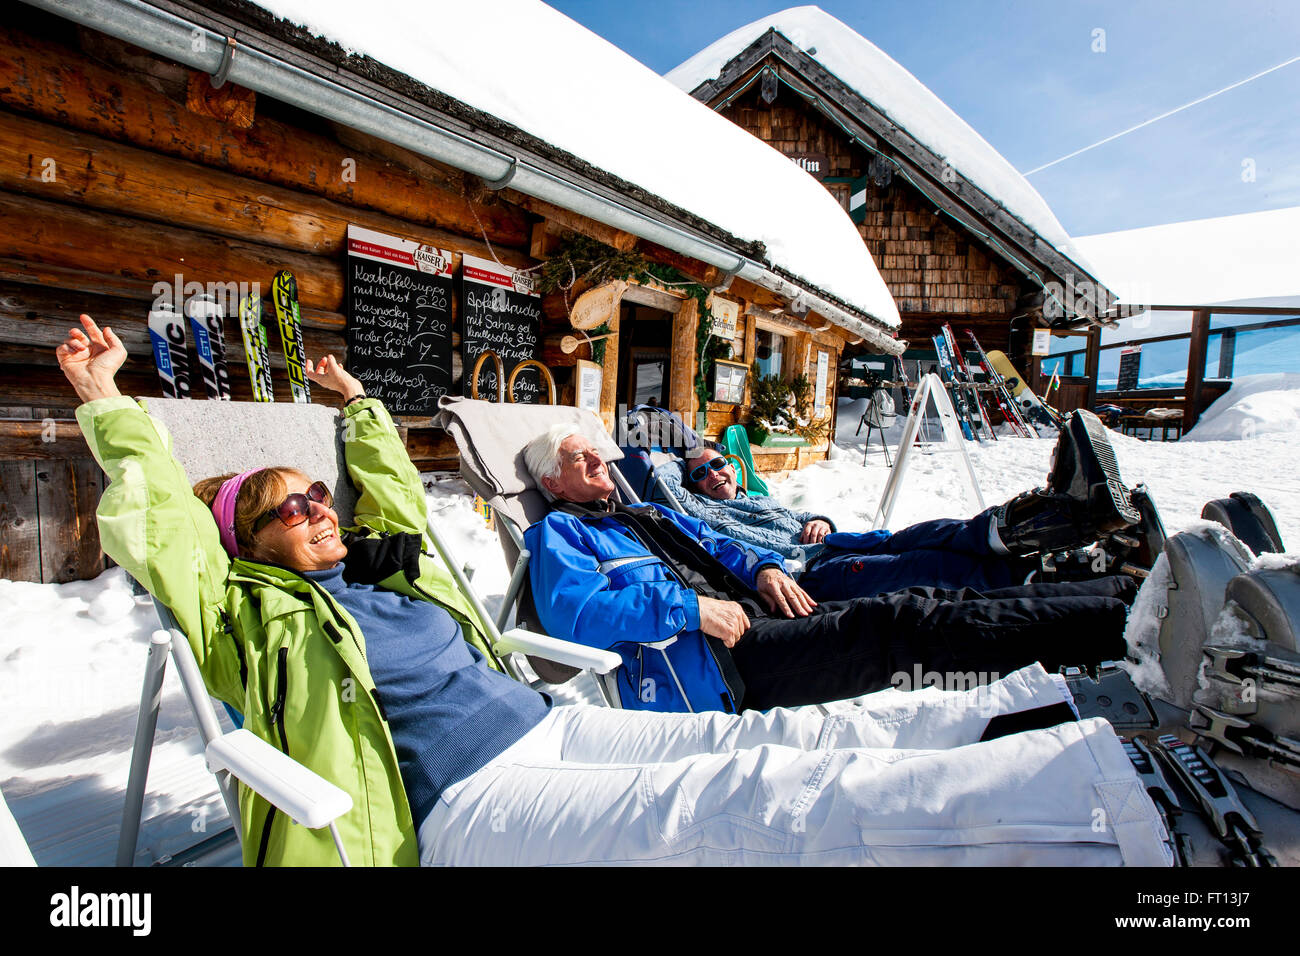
(594, 582)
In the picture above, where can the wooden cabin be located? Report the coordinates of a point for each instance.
(128, 174)
(959, 236)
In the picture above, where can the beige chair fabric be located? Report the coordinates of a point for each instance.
(212, 438)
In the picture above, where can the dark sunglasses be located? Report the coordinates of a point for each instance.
(296, 508)
(713, 464)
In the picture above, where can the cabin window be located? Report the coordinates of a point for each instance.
(769, 352)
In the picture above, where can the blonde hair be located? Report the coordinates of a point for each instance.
(258, 495)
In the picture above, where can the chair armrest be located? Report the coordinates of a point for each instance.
(519, 641)
(305, 796)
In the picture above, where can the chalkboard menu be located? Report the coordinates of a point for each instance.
(399, 320)
(1129, 361)
(501, 314)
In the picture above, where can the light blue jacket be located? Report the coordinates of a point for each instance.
(596, 583)
(759, 520)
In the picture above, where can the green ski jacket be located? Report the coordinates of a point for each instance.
(274, 646)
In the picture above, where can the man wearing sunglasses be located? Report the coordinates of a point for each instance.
(704, 621)
(718, 500)
(995, 549)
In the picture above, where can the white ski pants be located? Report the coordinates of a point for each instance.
(888, 778)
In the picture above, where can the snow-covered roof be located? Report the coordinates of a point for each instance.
(530, 66)
(1251, 259)
(905, 100)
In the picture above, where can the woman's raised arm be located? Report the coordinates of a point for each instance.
(90, 358)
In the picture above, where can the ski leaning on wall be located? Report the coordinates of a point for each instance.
(950, 383)
(167, 335)
(256, 350)
(284, 297)
(979, 414)
(206, 315)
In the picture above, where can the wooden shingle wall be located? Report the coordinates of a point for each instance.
(936, 270)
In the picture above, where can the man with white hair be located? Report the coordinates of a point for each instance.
(664, 589)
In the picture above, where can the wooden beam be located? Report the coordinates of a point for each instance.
(693, 269)
(609, 375)
(1196, 349)
(35, 290)
(100, 174)
(681, 398)
(639, 294)
(566, 219)
(58, 84)
(42, 440)
(1092, 363)
(233, 105)
(72, 238)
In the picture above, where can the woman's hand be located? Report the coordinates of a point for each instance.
(90, 359)
(329, 373)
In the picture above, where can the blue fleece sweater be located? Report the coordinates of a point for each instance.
(449, 713)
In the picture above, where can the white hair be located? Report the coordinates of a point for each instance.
(542, 454)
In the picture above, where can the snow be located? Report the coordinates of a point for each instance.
(73, 654)
(890, 88)
(1248, 260)
(1255, 406)
(504, 58)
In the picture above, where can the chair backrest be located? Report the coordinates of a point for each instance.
(491, 438)
(214, 438)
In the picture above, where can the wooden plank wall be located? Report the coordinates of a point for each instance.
(47, 502)
(114, 177)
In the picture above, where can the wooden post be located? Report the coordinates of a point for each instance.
(1227, 352)
(609, 373)
(1195, 367)
(681, 397)
(1092, 362)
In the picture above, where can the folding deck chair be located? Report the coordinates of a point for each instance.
(491, 439)
(308, 437)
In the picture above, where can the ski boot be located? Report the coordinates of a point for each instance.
(1085, 498)
(1249, 519)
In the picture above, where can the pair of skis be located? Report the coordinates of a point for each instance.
(206, 319)
(965, 397)
(167, 335)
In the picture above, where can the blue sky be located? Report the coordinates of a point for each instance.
(1023, 73)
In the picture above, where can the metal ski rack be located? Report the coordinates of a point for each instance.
(1232, 823)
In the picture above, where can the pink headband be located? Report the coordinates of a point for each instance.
(223, 509)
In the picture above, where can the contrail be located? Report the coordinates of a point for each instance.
(1154, 119)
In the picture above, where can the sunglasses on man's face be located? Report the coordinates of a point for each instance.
(713, 464)
(296, 508)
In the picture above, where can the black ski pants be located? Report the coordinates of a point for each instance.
(847, 648)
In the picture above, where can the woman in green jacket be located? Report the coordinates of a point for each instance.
(280, 646)
(354, 654)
